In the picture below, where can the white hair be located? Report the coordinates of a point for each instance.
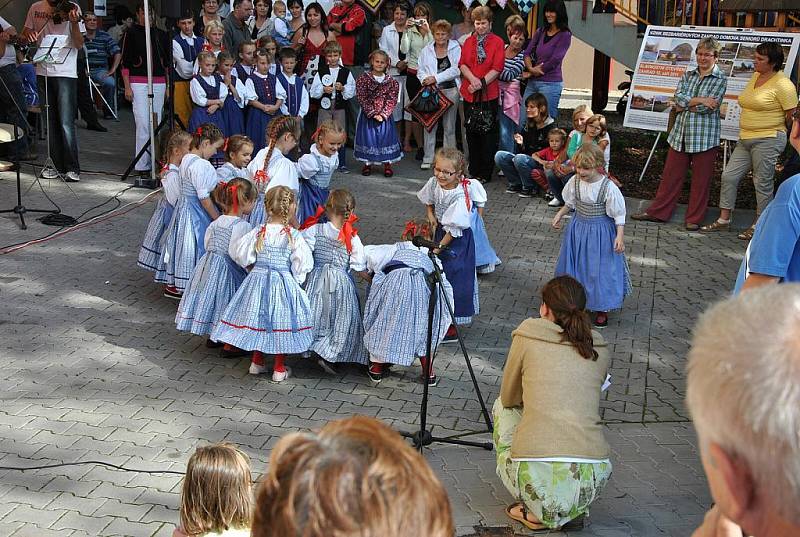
(743, 387)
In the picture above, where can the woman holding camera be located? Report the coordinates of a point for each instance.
(415, 38)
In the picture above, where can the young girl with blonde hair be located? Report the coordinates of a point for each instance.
(238, 150)
(317, 167)
(338, 330)
(270, 313)
(217, 496)
(262, 99)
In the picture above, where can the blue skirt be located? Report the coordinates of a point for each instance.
(184, 245)
(152, 245)
(459, 267)
(257, 122)
(311, 197)
(587, 254)
(201, 116)
(485, 257)
(232, 117)
(213, 284)
(376, 141)
(259, 215)
(269, 313)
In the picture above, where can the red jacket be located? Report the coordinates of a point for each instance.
(495, 60)
(352, 18)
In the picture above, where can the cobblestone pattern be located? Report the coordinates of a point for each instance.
(93, 368)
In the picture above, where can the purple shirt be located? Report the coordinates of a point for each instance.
(550, 54)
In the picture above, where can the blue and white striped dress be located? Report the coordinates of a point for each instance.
(270, 312)
(280, 171)
(396, 313)
(338, 329)
(184, 244)
(153, 242)
(228, 171)
(215, 279)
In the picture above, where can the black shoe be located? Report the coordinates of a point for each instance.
(420, 154)
(96, 127)
(548, 196)
(233, 352)
(513, 189)
(213, 344)
(525, 193)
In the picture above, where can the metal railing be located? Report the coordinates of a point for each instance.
(667, 12)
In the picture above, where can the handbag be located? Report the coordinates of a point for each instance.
(426, 101)
(480, 119)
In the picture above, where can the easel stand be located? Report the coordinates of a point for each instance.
(423, 437)
(650, 156)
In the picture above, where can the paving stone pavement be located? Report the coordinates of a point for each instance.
(93, 368)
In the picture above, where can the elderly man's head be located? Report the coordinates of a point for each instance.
(743, 390)
(242, 9)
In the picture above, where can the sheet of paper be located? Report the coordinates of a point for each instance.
(606, 384)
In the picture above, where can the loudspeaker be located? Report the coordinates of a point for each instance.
(178, 9)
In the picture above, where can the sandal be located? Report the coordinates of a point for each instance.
(747, 234)
(716, 225)
(524, 518)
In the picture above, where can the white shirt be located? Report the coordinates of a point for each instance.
(240, 228)
(450, 206)
(280, 93)
(358, 259)
(184, 68)
(199, 94)
(308, 165)
(66, 64)
(281, 170)
(10, 55)
(348, 92)
(201, 173)
(427, 64)
(243, 250)
(615, 201)
(389, 42)
(171, 183)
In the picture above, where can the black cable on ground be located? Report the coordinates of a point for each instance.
(80, 463)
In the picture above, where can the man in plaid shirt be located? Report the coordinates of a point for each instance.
(693, 140)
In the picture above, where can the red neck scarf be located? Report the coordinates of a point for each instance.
(313, 220)
(348, 232)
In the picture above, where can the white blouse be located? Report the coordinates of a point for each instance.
(171, 182)
(228, 171)
(358, 259)
(280, 93)
(450, 206)
(615, 201)
(308, 166)
(201, 173)
(184, 67)
(281, 170)
(199, 94)
(239, 228)
(250, 88)
(243, 250)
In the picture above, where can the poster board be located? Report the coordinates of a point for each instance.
(666, 54)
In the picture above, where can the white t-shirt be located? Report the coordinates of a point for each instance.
(39, 19)
(10, 56)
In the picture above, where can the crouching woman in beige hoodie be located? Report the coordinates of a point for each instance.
(551, 453)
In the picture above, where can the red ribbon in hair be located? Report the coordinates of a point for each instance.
(207, 47)
(261, 177)
(313, 220)
(198, 131)
(225, 145)
(164, 168)
(348, 232)
(465, 185)
(235, 205)
(316, 133)
(411, 227)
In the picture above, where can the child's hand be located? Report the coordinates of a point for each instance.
(378, 118)
(432, 221)
(213, 108)
(518, 138)
(339, 87)
(556, 223)
(327, 89)
(619, 244)
(548, 165)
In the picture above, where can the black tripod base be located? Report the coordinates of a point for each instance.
(420, 439)
(20, 211)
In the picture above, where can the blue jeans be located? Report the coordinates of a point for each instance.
(550, 90)
(13, 107)
(507, 131)
(517, 169)
(107, 85)
(62, 96)
(557, 183)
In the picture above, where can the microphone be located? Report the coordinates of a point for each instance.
(421, 242)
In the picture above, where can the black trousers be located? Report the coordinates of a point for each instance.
(482, 147)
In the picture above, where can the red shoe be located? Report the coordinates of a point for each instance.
(375, 372)
(170, 291)
(451, 336)
(366, 170)
(387, 170)
(601, 319)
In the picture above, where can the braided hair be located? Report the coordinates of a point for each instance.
(206, 132)
(278, 127)
(277, 202)
(340, 202)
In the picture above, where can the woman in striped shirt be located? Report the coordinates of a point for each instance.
(509, 102)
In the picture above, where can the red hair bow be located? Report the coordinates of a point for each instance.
(207, 47)
(465, 185)
(198, 131)
(348, 232)
(316, 133)
(235, 204)
(313, 220)
(261, 177)
(225, 145)
(411, 228)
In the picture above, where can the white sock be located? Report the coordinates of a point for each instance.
(723, 221)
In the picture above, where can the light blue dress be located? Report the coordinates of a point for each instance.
(315, 172)
(336, 312)
(215, 279)
(396, 313)
(155, 235)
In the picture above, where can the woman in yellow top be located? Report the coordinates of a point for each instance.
(767, 102)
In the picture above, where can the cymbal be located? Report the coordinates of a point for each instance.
(7, 133)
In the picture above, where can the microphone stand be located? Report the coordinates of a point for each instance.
(423, 437)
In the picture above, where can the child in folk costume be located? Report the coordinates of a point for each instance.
(376, 137)
(331, 88)
(317, 167)
(448, 197)
(270, 313)
(336, 312)
(232, 114)
(270, 167)
(486, 259)
(216, 277)
(214, 33)
(592, 250)
(208, 94)
(396, 313)
(263, 102)
(193, 213)
(177, 147)
(290, 89)
(238, 151)
(246, 63)
(185, 48)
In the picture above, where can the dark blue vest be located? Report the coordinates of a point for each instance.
(294, 93)
(189, 52)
